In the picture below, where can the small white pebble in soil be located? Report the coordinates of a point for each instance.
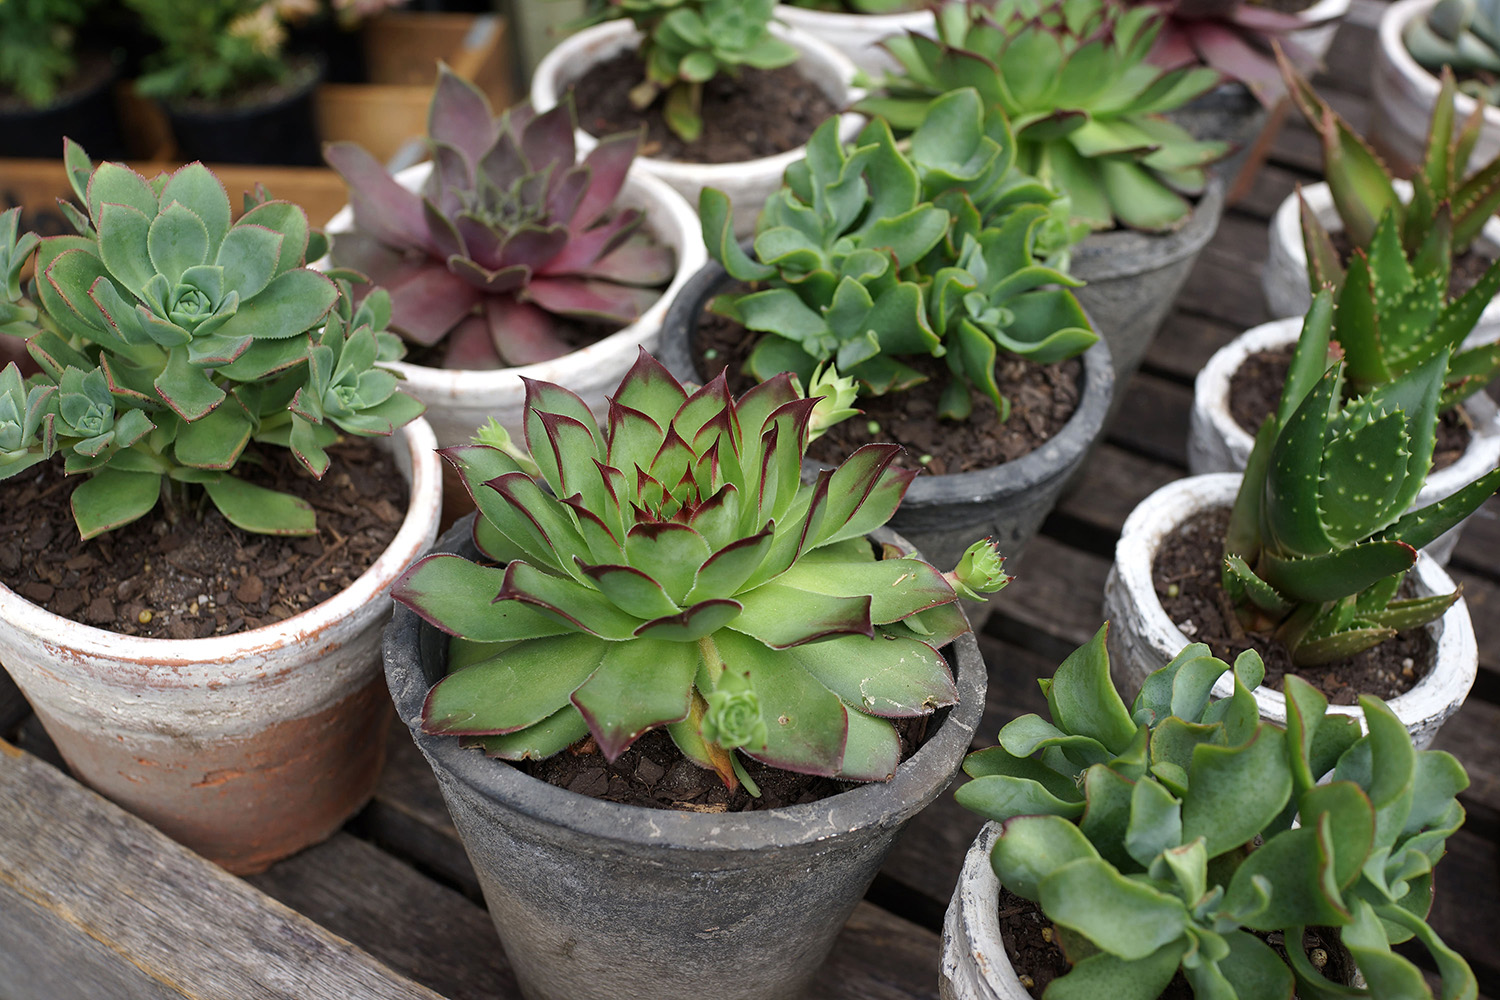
(1187, 627)
(202, 598)
(193, 608)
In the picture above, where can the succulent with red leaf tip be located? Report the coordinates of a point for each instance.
(673, 570)
(1233, 37)
(511, 243)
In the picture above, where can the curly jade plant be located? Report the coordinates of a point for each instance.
(510, 243)
(882, 250)
(1072, 79)
(672, 570)
(1321, 534)
(1177, 834)
(169, 338)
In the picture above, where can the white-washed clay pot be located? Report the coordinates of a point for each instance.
(1325, 16)
(748, 183)
(1404, 94)
(1284, 278)
(245, 747)
(1142, 638)
(858, 36)
(458, 401)
(1217, 443)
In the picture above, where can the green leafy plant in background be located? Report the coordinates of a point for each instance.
(510, 243)
(211, 49)
(686, 43)
(883, 251)
(672, 570)
(169, 337)
(1071, 78)
(1161, 838)
(1321, 534)
(1393, 308)
(1463, 36)
(36, 46)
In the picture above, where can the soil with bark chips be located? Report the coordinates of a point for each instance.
(1042, 400)
(653, 773)
(1186, 575)
(200, 576)
(1255, 392)
(753, 114)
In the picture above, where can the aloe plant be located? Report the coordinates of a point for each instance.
(1394, 312)
(874, 253)
(510, 243)
(686, 43)
(1072, 79)
(1321, 534)
(672, 570)
(170, 337)
(1462, 36)
(1161, 838)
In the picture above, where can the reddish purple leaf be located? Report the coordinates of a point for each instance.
(608, 163)
(589, 299)
(522, 333)
(429, 304)
(381, 206)
(470, 347)
(460, 116)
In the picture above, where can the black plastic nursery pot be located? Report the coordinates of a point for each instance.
(1134, 277)
(280, 131)
(84, 112)
(943, 514)
(595, 900)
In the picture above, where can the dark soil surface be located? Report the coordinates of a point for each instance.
(200, 576)
(1042, 399)
(1038, 959)
(303, 72)
(1187, 573)
(93, 69)
(1255, 392)
(653, 773)
(1468, 267)
(757, 113)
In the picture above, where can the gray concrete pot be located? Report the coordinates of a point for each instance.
(1133, 279)
(599, 901)
(943, 515)
(1228, 113)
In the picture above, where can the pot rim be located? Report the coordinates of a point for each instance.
(200, 110)
(617, 35)
(974, 915)
(1051, 458)
(1211, 401)
(1109, 255)
(225, 660)
(1392, 23)
(1455, 657)
(804, 17)
(674, 215)
(917, 782)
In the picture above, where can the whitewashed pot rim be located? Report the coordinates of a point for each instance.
(620, 34)
(1161, 512)
(1392, 23)
(1211, 401)
(430, 383)
(798, 17)
(1286, 230)
(972, 944)
(1323, 11)
(224, 661)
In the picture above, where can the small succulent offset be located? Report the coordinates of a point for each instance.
(1072, 79)
(1393, 309)
(1161, 838)
(510, 243)
(1233, 37)
(673, 571)
(1464, 36)
(170, 337)
(877, 252)
(686, 43)
(1321, 534)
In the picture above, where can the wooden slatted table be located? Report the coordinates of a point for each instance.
(95, 904)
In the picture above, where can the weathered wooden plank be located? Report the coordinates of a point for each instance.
(1473, 736)
(1225, 282)
(1272, 184)
(99, 904)
(1056, 607)
(1185, 344)
(1113, 482)
(1158, 412)
(1466, 908)
(1479, 553)
(416, 925)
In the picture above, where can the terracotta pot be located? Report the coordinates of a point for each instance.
(858, 36)
(245, 747)
(458, 401)
(1404, 94)
(1143, 638)
(1284, 278)
(598, 900)
(1217, 443)
(748, 183)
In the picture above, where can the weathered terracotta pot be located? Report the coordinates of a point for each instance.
(244, 747)
(1143, 638)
